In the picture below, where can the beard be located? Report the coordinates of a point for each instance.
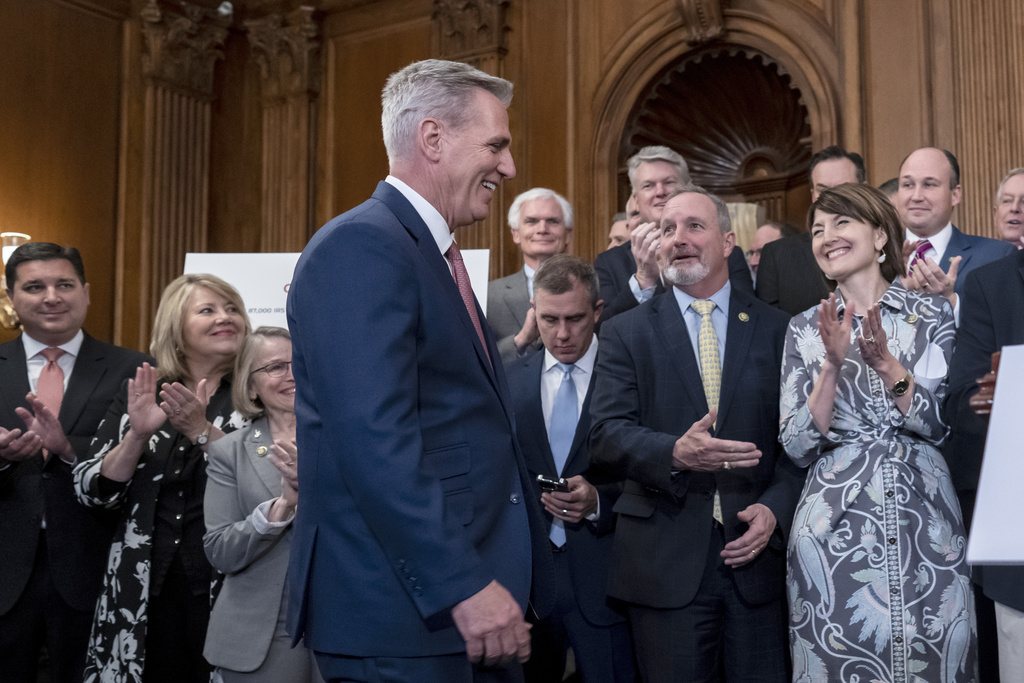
(683, 276)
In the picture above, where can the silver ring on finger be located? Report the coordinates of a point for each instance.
(727, 465)
(870, 340)
(564, 511)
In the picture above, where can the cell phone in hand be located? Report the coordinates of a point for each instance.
(548, 484)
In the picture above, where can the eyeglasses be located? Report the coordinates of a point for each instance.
(275, 370)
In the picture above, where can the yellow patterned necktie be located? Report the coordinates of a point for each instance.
(710, 369)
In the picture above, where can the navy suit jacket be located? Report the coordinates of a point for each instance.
(648, 394)
(412, 482)
(588, 545)
(992, 316)
(77, 538)
(616, 265)
(976, 251)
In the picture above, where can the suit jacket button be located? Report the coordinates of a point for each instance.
(514, 499)
(46, 475)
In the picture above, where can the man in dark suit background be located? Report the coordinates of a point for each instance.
(551, 393)
(700, 537)
(541, 223)
(53, 550)
(939, 256)
(993, 317)
(788, 277)
(418, 537)
(629, 273)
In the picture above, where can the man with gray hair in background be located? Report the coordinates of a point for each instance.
(541, 222)
(419, 542)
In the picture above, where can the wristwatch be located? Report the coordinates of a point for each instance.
(205, 435)
(902, 385)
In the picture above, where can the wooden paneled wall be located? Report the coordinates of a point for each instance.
(287, 143)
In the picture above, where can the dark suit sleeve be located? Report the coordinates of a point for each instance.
(360, 352)
(768, 275)
(972, 358)
(739, 272)
(617, 440)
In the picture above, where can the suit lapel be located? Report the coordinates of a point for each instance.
(516, 292)
(739, 333)
(958, 246)
(438, 264)
(86, 375)
(13, 376)
(582, 431)
(669, 325)
(257, 446)
(532, 412)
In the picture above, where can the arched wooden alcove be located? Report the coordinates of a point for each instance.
(810, 69)
(738, 120)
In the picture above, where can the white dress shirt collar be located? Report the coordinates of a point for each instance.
(939, 241)
(585, 363)
(530, 272)
(436, 223)
(33, 347)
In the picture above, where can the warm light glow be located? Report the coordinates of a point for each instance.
(11, 241)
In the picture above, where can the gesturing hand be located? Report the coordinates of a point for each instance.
(698, 450)
(284, 455)
(493, 627)
(835, 335)
(760, 522)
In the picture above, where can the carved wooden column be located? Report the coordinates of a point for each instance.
(164, 192)
(288, 52)
(474, 32)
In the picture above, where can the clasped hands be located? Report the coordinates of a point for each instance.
(698, 450)
(185, 410)
(925, 275)
(42, 430)
(874, 349)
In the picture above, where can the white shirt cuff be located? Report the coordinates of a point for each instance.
(264, 526)
(641, 295)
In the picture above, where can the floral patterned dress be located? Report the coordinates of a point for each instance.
(878, 581)
(117, 644)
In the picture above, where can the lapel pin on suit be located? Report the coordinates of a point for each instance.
(743, 317)
(261, 451)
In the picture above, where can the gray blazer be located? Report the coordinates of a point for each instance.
(245, 615)
(508, 300)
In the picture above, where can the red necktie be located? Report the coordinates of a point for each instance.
(922, 247)
(461, 276)
(50, 387)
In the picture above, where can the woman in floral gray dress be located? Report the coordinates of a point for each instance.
(878, 581)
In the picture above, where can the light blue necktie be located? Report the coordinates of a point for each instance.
(563, 428)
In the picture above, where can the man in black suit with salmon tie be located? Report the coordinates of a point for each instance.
(56, 384)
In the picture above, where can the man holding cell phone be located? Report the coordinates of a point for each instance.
(551, 396)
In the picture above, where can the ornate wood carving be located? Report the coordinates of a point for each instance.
(288, 52)
(735, 117)
(702, 20)
(470, 29)
(181, 49)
